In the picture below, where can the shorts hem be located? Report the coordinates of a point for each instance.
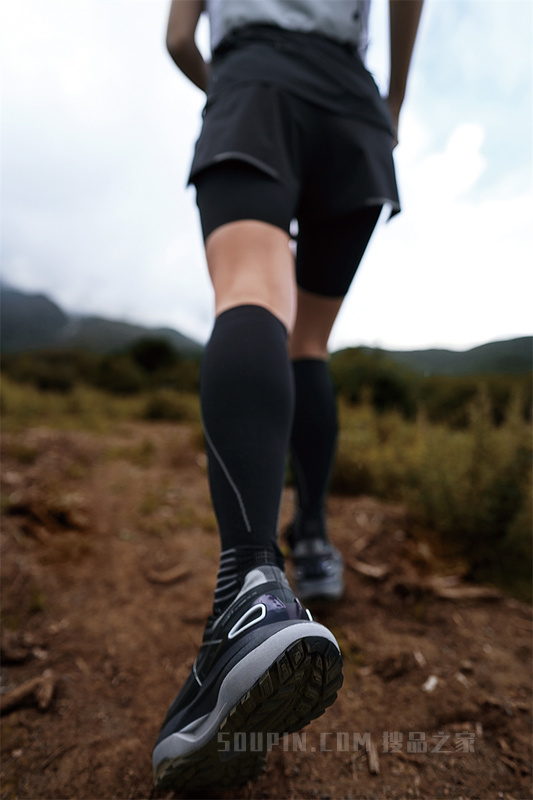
(236, 155)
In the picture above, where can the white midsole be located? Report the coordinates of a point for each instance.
(236, 683)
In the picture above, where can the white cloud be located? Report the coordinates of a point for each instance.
(445, 176)
(449, 271)
(98, 132)
(97, 137)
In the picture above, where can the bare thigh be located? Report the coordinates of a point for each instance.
(250, 263)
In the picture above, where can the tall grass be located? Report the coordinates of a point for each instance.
(87, 408)
(472, 487)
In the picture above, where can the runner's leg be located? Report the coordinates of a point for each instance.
(328, 256)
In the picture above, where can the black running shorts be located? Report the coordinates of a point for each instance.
(266, 154)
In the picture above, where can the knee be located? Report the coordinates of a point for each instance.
(307, 347)
(315, 318)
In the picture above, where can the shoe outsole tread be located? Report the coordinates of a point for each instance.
(297, 688)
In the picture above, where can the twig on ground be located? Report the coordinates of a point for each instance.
(449, 588)
(13, 650)
(376, 571)
(172, 575)
(373, 759)
(40, 690)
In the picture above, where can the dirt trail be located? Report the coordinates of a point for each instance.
(109, 556)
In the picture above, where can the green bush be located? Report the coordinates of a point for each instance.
(153, 354)
(448, 399)
(51, 370)
(362, 376)
(184, 376)
(358, 374)
(164, 367)
(84, 408)
(166, 404)
(474, 488)
(148, 364)
(471, 486)
(119, 374)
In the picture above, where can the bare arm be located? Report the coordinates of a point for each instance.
(404, 20)
(182, 23)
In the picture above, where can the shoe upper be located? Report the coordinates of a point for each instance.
(318, 565)
(314, 559)
(265, 599)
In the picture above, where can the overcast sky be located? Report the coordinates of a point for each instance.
(98, 129)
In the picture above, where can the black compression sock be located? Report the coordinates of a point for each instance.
(313, 444)
(247, 403)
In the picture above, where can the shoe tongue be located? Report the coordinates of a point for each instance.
(260, 575)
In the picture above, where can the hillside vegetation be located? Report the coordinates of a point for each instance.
(375, 376)
(455, 450)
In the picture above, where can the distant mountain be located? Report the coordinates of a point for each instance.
(106, 335)
(34, 322)
(512, 357)
(28, 320)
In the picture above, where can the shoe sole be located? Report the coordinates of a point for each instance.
(229, 748)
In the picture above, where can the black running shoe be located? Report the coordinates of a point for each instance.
(318, 568)
(265, 668)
